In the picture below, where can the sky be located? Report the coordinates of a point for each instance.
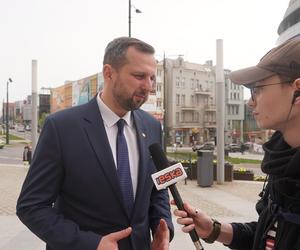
(68, 37)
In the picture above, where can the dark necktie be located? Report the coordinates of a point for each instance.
(123, 168)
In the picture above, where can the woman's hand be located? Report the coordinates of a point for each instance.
(194, 218)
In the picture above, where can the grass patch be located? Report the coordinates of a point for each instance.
(239, 161)
(177, 156)
(14, 137)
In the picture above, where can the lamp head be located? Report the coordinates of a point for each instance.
(9, 80)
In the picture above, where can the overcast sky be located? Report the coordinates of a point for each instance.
(68, 37)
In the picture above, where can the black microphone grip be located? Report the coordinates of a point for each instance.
(179, 203)
(161, 162)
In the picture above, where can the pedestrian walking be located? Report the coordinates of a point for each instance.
(27, 152)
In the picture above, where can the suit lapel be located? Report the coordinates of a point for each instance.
(95, 130)
(141, 132)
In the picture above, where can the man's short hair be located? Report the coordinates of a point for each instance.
(115, 51)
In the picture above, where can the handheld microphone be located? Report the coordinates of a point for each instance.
(168, 176)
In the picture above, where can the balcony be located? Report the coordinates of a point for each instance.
(202, 92)
(210, 108)
(190, 107)
(187, 124)
(210, 124)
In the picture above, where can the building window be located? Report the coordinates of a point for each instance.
(177, 117)
(197, 84)
(197, 117)
(177, 81)
(182, 116)
(192, 100)
(177, 99)
(158, 87)
(192, 83)
(183, 100)
(183, 82)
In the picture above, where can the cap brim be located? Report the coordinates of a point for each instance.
(249, 75)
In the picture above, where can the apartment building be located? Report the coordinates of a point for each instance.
(234, 111)
(190, 102)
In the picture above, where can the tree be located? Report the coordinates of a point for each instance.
(42, 120)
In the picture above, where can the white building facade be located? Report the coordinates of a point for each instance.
(290, 25)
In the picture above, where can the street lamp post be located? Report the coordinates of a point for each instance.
(129, 16)
(165, 129)
(7, 125)
(3, 116)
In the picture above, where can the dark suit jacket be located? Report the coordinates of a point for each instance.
(71, 196)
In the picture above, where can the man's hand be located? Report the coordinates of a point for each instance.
(161, 237)
(110, 241)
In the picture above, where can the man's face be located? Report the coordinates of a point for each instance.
(131, 84)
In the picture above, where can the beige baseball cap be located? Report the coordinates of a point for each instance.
(282, 60)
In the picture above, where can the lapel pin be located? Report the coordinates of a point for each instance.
(144, 135)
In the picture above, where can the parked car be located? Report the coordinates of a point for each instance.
(27, 128)
(233, 147)
(205, 146)
(20, 128)
(2, 143)
(248, 145)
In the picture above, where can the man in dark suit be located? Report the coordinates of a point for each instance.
(73, 197)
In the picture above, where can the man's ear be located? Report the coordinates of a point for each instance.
(107, 72)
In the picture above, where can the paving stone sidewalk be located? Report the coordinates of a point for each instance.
(233, 201)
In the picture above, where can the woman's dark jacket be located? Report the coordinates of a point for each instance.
(280, 201)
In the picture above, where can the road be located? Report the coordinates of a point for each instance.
(12, 154)
(26, 134)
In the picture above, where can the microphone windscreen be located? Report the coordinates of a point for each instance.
(158, 156)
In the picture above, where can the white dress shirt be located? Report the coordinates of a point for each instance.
(110, 120)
